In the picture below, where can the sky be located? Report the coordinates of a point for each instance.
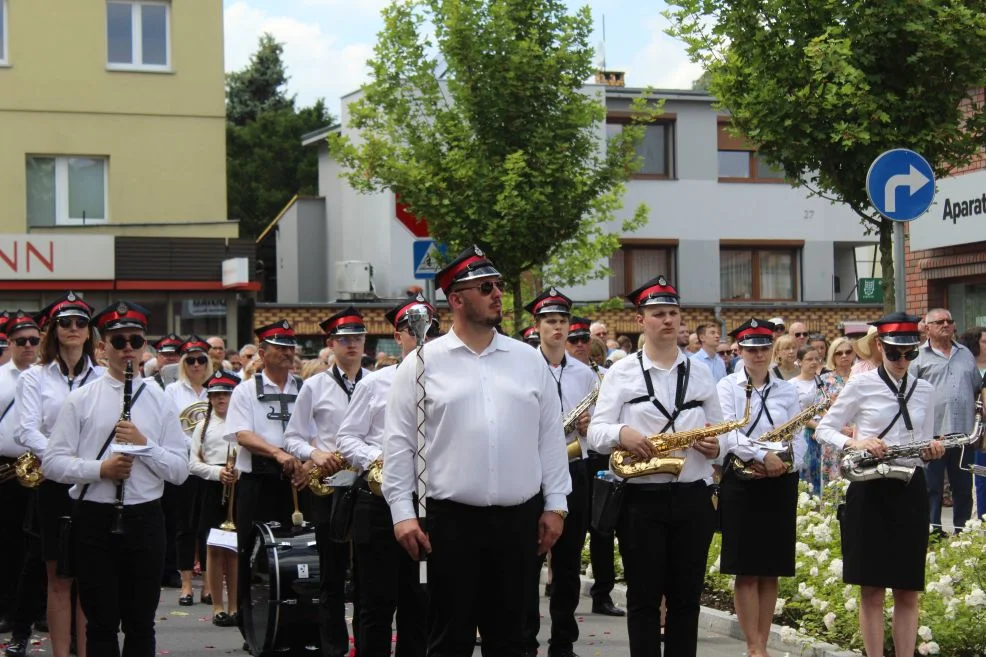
(327, 42)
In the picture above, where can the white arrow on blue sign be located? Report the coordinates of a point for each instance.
(900, 184)
(428, 256)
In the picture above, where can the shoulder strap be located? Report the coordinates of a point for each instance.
(159, 380)
(6, 410)
(109, 439)
(901, 401)
(684, 370)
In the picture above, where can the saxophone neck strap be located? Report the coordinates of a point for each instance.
(902, 400)
(684, 370)
(763, 405)
(561, 373)
(344, 382)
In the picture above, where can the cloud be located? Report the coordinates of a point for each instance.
(319, 65)
(663, 62)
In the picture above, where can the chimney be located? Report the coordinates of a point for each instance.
(610, 78)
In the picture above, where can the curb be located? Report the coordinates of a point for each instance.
(721, 622)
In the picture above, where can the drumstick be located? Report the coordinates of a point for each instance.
(296, 517)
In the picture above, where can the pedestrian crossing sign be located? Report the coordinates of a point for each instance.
(429, 257)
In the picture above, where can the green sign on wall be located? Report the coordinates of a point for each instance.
(870, 290)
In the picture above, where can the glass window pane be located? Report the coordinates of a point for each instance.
(734, 164)
(653, 150)
(154, 34)
(736, 274)
(776, 275)
(645, 264)
(119, 33)
(617, 283)
(40, 191)
(86, 188)
(613, 129)
(765, 170)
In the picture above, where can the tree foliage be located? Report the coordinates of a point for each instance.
(824, 86)
(485, 129)
(266, 164)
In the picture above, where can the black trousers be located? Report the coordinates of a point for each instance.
(119, 576)
(601, 549)
(960, 482)
(169, 505)
(479, 573)
(566, 568)
(31, 589)
(664, 532)
(186, 529)
(333, 561)
(388, 583)
(13, 512)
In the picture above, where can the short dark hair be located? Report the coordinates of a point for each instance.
(702, 328)
(970, 340)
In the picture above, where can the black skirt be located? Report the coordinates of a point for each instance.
(211, 510)
(759, 524)
(53, 503)
(884, 527)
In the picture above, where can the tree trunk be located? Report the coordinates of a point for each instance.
(518, 305)
(887, 263)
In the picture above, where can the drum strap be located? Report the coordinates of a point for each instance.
(901, 400)
(282, 399)
(684, 369)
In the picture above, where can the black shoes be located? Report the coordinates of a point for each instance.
(561, 653)
(206, 599)
(16, 648)
(222, 619)
(606, 608)
(186, 600)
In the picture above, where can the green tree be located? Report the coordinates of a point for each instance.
(824, 86)
(485, 129)
(265, 163)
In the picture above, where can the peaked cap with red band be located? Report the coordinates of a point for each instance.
(655, 292)
(347, 321)
(169, 344)
(4, 317)
(531, 336)
(222, 381)
(398, 314)
(122, 315)
(279, 333)
(754, 333)
(18, 321)
(898, 329)
(578, 327)
(550, 301)
(194, 343)
(71, 304)
(469, 265)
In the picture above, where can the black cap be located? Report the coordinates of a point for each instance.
(899, 329)
(578, 327)
(194, 343)
(222, 381)
(278, 333)
(655, 292)
(4, 318)
(754, 333)
(169, 344)
(531, 336)
(122, 315)
(17, 321)
(398, 315)
(347, 321)
(468, 265)
(550, 301)
(69, 304)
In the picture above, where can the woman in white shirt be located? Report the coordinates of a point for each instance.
(210, 454)
(194, 370)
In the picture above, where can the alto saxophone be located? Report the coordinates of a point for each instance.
(628, 465)
(860, 465)
(571, 419)
(26, 468)
(318, 481)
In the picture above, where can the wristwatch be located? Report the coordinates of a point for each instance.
(563, 514)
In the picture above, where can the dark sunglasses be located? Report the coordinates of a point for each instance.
(195, 360)
(23, 342)
(724, 352)
(801, 335)
(894, 355)
(486, 289)
(80, 322)
(843, 353)
(943, 322)
(578, 339)
(120, 342)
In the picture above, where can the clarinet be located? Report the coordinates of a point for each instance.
(128, 390)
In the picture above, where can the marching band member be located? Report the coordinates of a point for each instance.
(67, 364)
(387, 576)
(769, 501)
(118, 574)
(530, 336)
(259, 411)
(497, 475)
(666, 523)
(209, 455)
(574, 381)
(168, 350)
(4, 352)
(885, 521)
(311, 437)
(194, 370)
(18, 579)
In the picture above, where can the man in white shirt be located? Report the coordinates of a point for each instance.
(496, 476)
(667, 520)
(708, 338)
(4, 351)
(118, 524)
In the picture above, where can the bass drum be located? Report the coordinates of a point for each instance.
(281, 617)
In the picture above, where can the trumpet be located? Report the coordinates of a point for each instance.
(229, 491)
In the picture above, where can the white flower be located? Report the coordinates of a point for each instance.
(932, 558)
(925, 633)
(835, 568)
(923, 649)
(847, 591)
(789, 635)
(813, 571)
(823, 605)
(976, 599)
(806, 591)
(779, 606)
(969, 563)
(829, 621)
(804, 499)
(933, 648)
(829, 581)
(850, 604)
(974, 523)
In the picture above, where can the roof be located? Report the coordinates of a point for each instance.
(319, 135)
(695, 95)
(284, 210)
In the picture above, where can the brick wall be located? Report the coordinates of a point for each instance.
(929, 272)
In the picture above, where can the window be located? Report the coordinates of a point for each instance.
(66, 190)
(634, 265)
(768, 274)
(655, 148)
(138, 36)
(3, 32)
(740, 162)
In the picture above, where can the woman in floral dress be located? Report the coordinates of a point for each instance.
(822, 466)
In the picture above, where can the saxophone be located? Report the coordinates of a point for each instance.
(628, 465)
(374, 477)
(784, 434)
(318, 481)
(860, 465)
(571, 419)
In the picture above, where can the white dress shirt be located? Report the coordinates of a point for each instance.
(492, 426)
(86, 420)
(182, 395)
(41, 390)
(782, 405)
(625, 381)
(209, 458)
(8, 412)
(360, 437)
(807, 391)
(247, 413)
(868, 402)
(318, 413)
(576, 380)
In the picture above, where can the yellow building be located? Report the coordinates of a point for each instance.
(112, 125)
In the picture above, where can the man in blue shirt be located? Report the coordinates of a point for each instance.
(708, 339)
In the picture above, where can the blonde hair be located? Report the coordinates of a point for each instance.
(782, 342)
(183, 373)
(838, 342)
(312, 367)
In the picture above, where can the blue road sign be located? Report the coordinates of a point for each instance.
(428, 258)
(900, 184)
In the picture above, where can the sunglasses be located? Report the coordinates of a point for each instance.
(801, 335)
(486, 289)
(578, 339)
(67, 322)
(120, 342)
(844, 353)
(195, 360)
(350, 339)
(943, 322)
(23, 342)
(894, 355)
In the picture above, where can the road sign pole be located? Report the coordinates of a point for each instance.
(430, 291)
(900, 268)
